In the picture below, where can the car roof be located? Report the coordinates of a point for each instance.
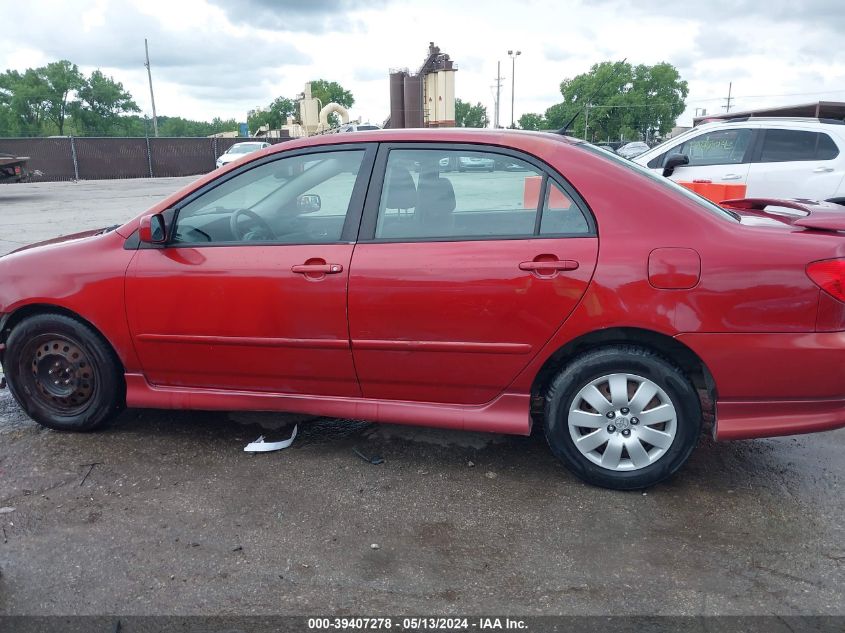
(797, 122)
(515, 138)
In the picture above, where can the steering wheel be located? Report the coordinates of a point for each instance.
(241, 234)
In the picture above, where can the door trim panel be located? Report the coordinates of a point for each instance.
(245, 341)
(465, 347)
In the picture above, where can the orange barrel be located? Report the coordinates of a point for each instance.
(531, 195)
(734, 192)
(531, 191)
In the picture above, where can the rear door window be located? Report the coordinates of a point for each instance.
(465, 194)
(796, 145)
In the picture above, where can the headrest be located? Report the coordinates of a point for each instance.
(401, 190)
(436, 196)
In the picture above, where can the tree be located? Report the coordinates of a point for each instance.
(533, 121)
(177, 126)
(331, 92)
(467, 115)
(60, 79)
(275, 115)
(663, 89)
(23, 94)
(102, 101)
(614, 98)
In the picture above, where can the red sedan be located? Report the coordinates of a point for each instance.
(356, 275)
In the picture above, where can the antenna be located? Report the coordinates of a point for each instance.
(152, 96)
(563, 130)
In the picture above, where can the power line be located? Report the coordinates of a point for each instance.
(788, 94)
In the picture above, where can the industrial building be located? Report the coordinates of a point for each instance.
(425, 98)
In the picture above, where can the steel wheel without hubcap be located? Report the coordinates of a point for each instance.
(60, 375)
(622, 422)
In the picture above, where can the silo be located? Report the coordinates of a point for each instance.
(413, 101)
(397, 99)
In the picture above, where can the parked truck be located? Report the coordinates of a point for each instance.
(13, 168)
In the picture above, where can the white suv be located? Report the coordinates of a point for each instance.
(773, 157)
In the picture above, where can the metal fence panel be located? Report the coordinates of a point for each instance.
(115, 157)
(111, 158)
(52, 156)
(181, 156)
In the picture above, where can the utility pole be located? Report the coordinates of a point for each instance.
(498, 94)
(152, 96)
(513, 56)
(728, 106)
(586, 119)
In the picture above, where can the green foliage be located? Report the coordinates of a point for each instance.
(177, 126)
(331, 92)
(624, 101)
(101, 102)
(276, 114)
(467, 115)
(533, 121)
(60, 79)
(22, 96)
(58, 99)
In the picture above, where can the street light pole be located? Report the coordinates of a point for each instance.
(513, 55)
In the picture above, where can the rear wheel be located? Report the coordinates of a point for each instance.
(63, 374)
(622, 417)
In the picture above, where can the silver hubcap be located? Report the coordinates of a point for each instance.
(622, 422)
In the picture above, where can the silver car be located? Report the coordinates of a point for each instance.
(240, 149)
(630, 150)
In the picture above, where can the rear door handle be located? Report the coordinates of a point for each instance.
(822, 170)
(324, 269)
(732, 177)
(561, 264)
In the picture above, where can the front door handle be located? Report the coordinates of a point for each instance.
(323, 269)
(557, 264)
(732, 177)
(822, 170)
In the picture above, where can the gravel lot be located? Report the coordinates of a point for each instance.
(175, 518)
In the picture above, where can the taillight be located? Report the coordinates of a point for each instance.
(829, 275)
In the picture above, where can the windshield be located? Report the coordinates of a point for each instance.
(674, 140)
(665, 182)
(244, 148)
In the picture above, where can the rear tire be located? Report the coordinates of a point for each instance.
(645, 423)
(63, 374)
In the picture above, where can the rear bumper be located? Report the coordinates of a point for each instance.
(742, 420)
(771, 384)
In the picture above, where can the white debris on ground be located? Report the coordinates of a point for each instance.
(262, 446)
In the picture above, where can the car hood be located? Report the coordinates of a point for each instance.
(61, 239)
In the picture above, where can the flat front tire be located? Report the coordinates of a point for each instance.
(63, 374)
(622, 417)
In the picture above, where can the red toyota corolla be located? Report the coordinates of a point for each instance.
(370, 276)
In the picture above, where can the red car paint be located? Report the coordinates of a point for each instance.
(455, 334)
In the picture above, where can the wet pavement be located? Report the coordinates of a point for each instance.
(175, 518)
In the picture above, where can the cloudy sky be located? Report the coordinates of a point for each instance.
(224, 57)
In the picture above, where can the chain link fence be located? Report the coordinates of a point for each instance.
(89, 158)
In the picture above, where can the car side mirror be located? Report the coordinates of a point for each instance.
(153, 229)
(309, 203)
(672, 161)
